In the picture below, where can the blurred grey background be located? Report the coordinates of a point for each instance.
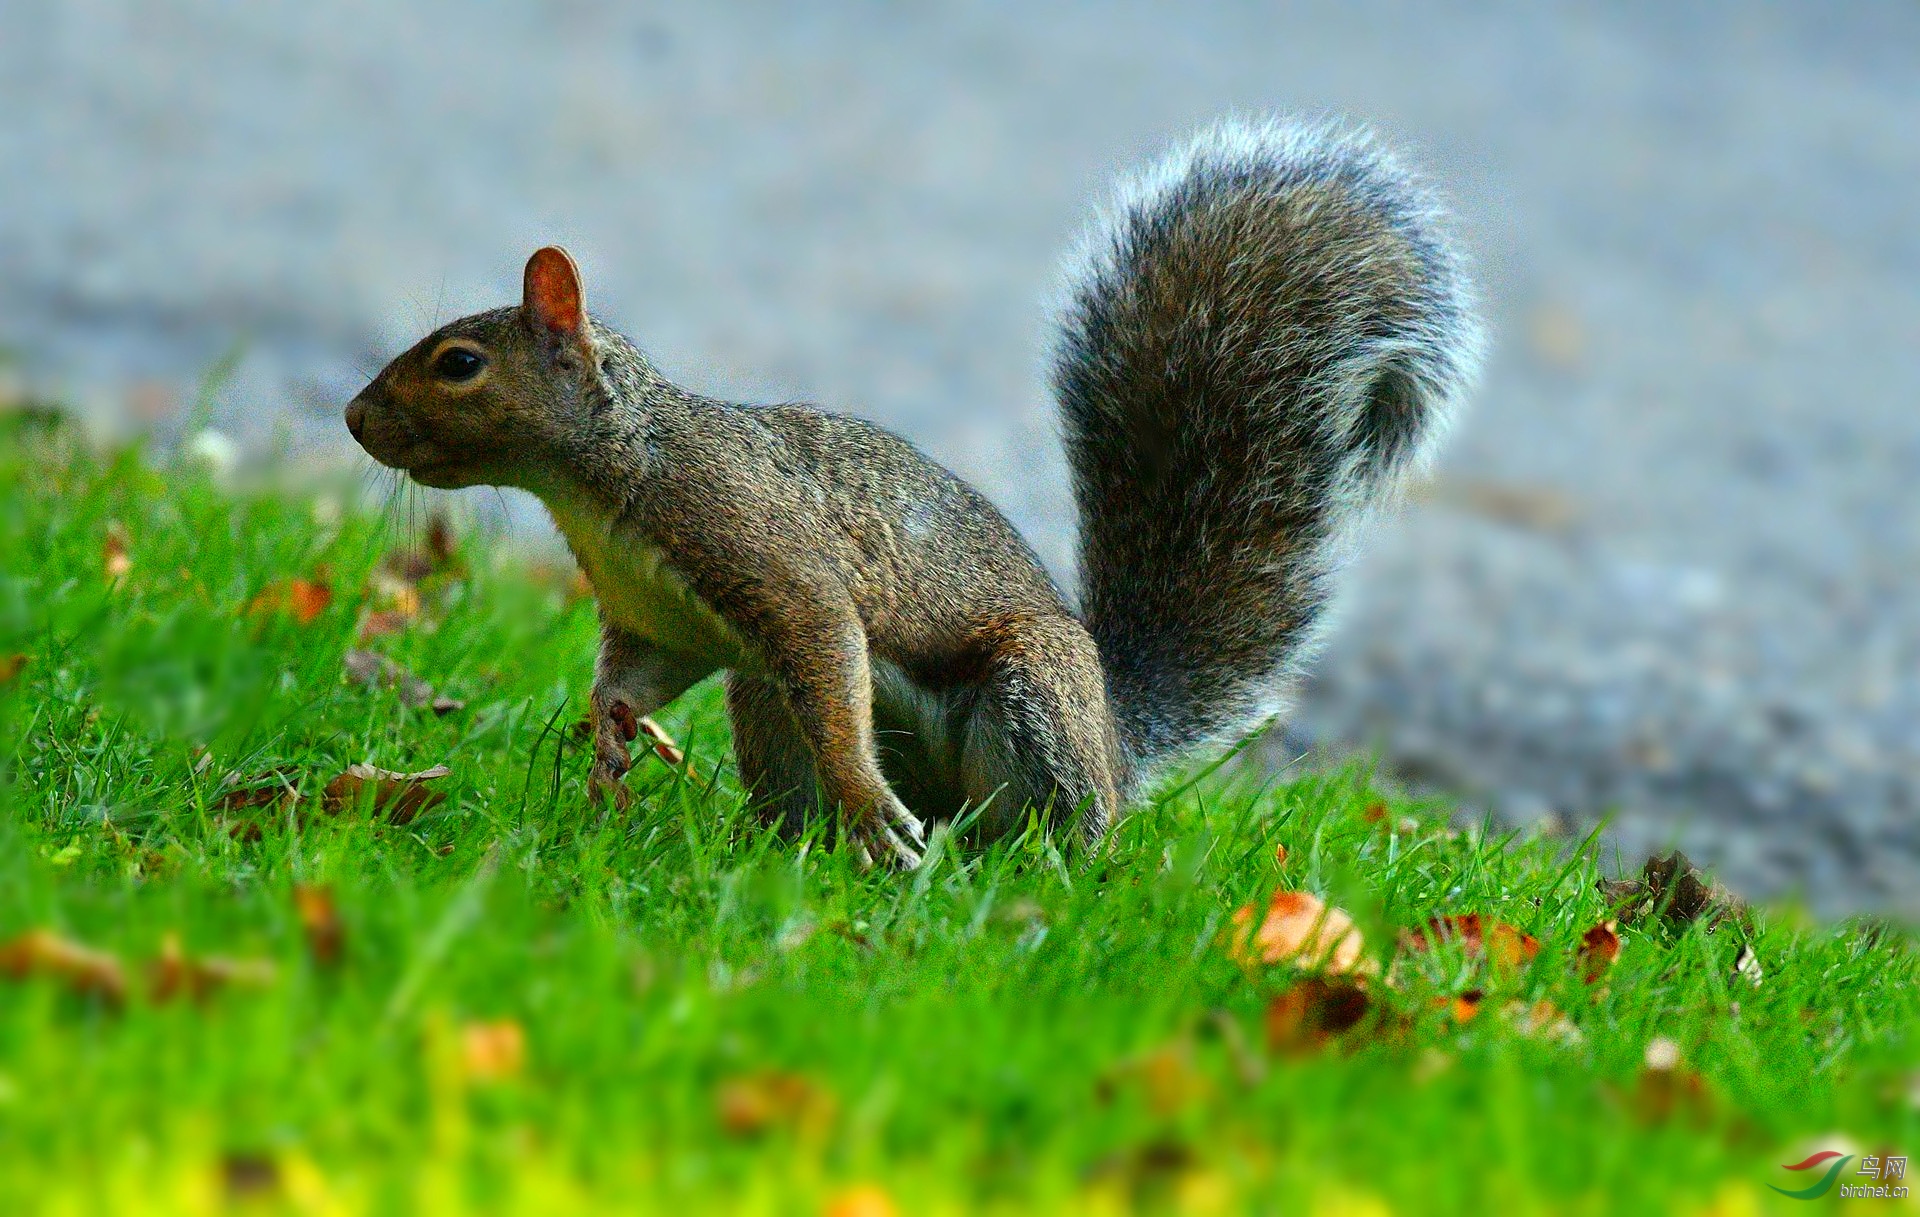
(1665, 573)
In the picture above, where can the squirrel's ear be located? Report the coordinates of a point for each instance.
(554, 301)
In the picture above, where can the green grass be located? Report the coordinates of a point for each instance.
(1020, 1026)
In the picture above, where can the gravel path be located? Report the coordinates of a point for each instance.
(1668, 569)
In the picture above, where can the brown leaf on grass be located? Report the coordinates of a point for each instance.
(10, 668)
(1678, 891)
(1599, 947)
(1376, 812)
(320, 921)
(116, 562)
(302, 599)
(493, 1051)
(1542, 1020)
(1504, 945)
(438, 555)
(663, 744)
(1279, 855)
(1313, 1012)
(379, 623)
(249, 1177)
(276, 789)
(85, 970)
(400, 797)
(1667, 1088)
(379, 672)
(1299, 929)
(175, 973)
(758, 1102)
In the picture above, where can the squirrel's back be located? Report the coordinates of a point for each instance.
(1265, 335)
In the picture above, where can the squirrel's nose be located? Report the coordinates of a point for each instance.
(356, 417)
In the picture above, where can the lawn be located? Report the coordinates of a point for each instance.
(228, 979)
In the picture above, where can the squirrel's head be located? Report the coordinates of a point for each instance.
(495, 398)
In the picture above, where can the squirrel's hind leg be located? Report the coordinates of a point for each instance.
(775, 764)
(1040, 734)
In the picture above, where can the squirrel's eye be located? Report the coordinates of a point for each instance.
(458, 363)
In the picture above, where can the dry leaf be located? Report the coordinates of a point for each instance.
(1312, 1012)
(1599, 947)
(1667, 1088)
(381, 622)
(320, 920)
(304, 599)
(379, 672)
(755, 1103)
(275, 788)
(1465, 1007)
(1376, 812)
(1677, 889)
(11, 667)
(400, 797)
(862, 1200)
(1504, 945)
(1299, 929)
(175, 973)
(249, 1177)
(1543, 1020)
(1746, 966)
(115, 560)
(1279, 855)
(663, 745)
(493, 1051)
(84, 969)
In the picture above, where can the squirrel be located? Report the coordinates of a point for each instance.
(1263, 336)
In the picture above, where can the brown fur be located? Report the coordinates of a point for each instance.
(1232, 390)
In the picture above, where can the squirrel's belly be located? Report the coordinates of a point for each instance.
(640, 592)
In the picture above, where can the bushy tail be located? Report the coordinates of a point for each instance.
(1268, 332)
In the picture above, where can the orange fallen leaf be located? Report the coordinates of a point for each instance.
(11, 667)
(757, 1102)
(1299, 929)
(1312, 1012)
(175, 973)
(1505, 945)
(862, 1200)
(1464, 1007)
(84, 969)
(400, 797)
(1599, 947)
(1376, 812)
(320, 920)
(115, 560)
(493, 1051)
(303, 599)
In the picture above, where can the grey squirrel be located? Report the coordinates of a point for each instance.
(1264, 335)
